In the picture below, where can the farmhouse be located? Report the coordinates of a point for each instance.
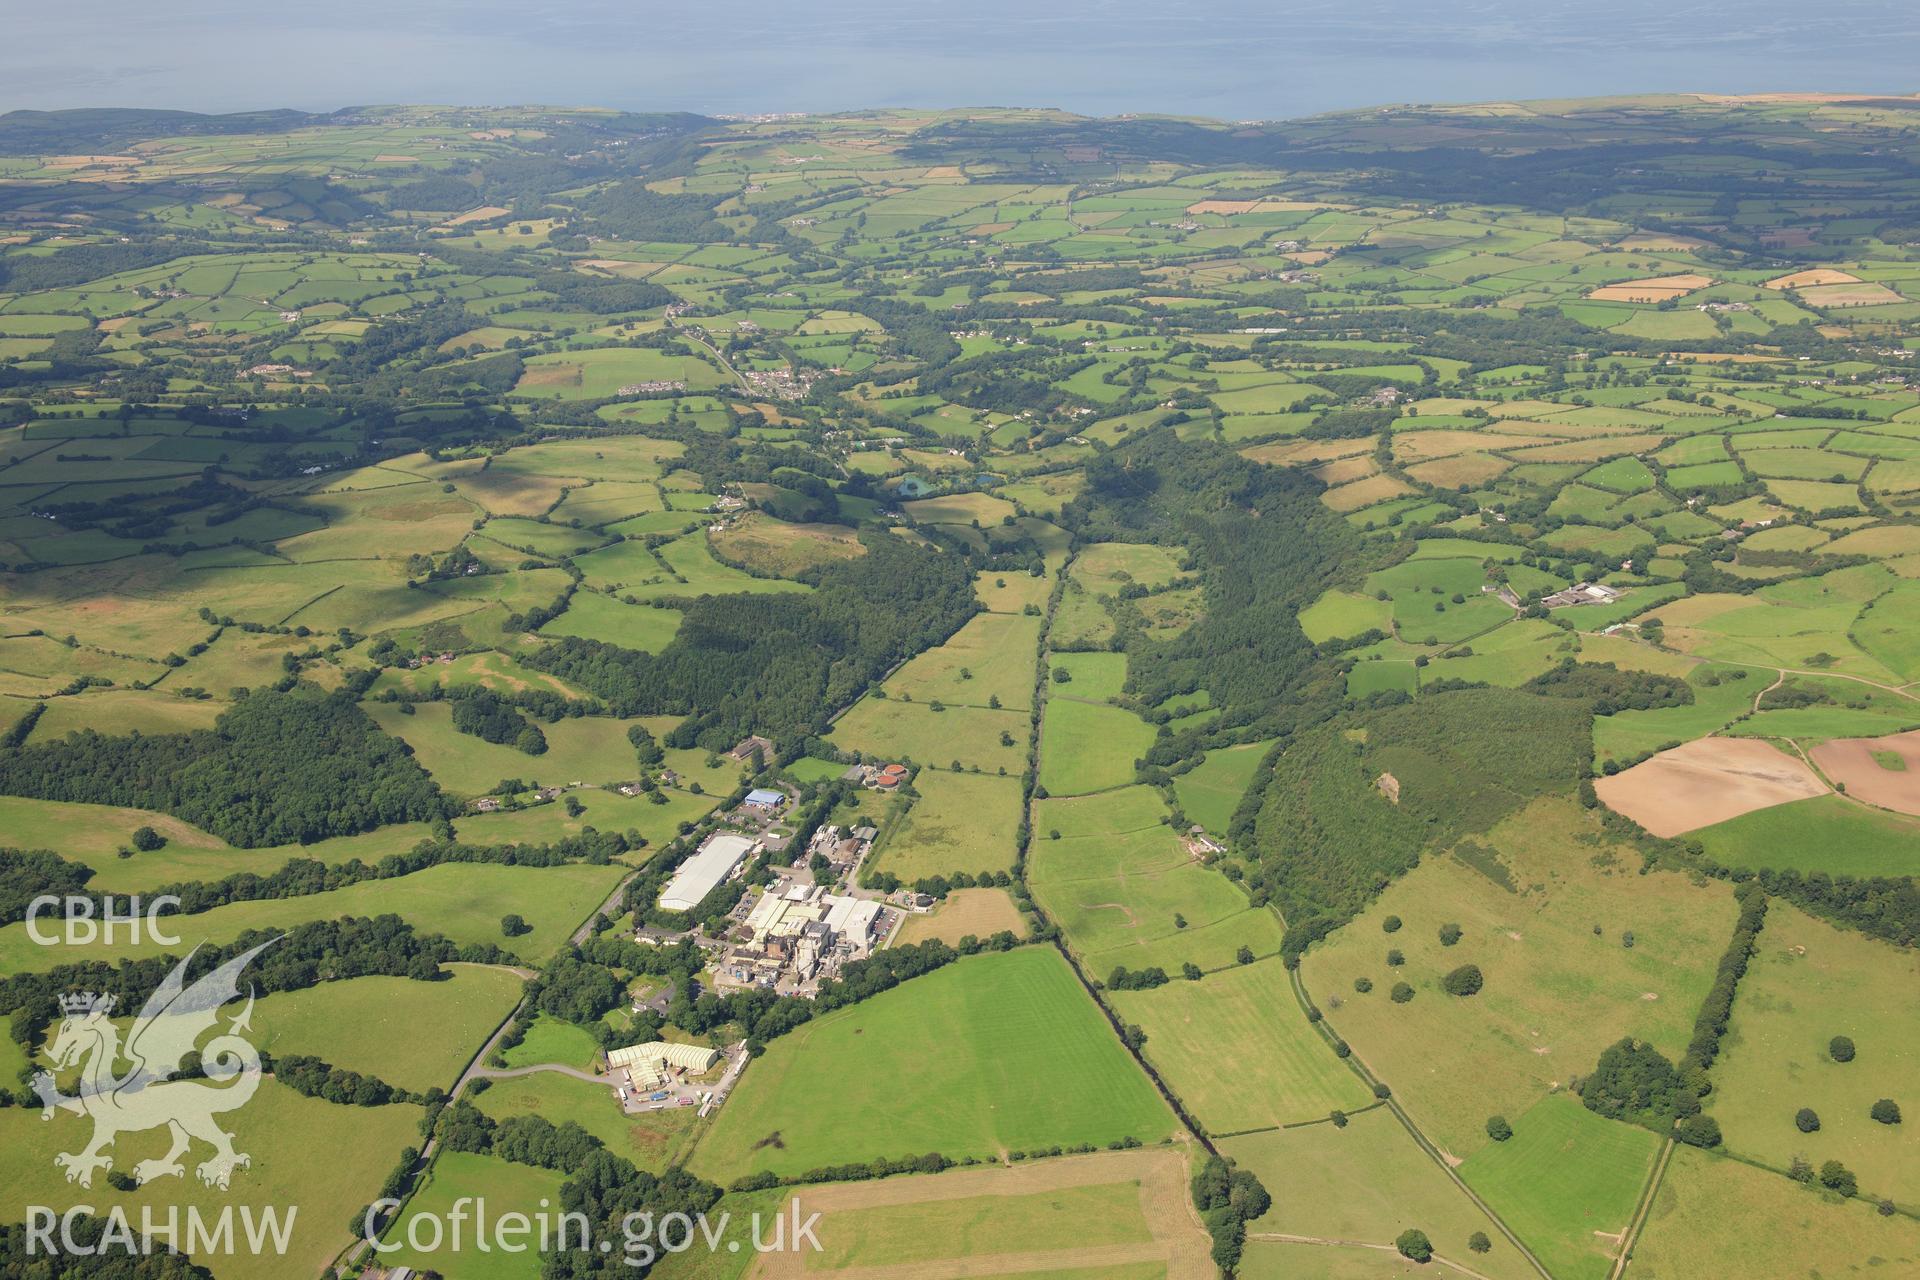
(701, 874)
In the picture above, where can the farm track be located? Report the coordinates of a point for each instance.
(558, 1068)
(1426, 1144)
(1275, 1237)
(1652, 1189)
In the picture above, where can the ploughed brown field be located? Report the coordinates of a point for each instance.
(1707, 781)
(1882, 771)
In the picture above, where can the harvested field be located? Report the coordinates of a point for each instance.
(1114, 1212)
(1851, 295)
(1364, 493)
(1881, 771)
(1341, 470)
(1657, 289)
(485, 213)
(1707, 781)
(980, 912)
(1462, 469)
(1292, 452)
(1812, 276)
(1423, 446)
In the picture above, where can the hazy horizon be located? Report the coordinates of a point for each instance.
(1231, 60)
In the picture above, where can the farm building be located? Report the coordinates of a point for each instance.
(701, 874)
(653, 1063)
(745, 748)
(1582, 593)
(765, 798)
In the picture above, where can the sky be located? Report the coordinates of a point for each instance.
(1229, 59)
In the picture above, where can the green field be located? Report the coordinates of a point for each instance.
(463, 901)
(994, 1053)
(1807, 983)
(594, 616)
(1087, 746)
(94, 834)
(1715, 1215)
(1567, 1182)
(1829, 834)
(1338, 614)
(1201, 1036)
(1107, 566)
(1556, 992)
(497, 1183)
(590, 749)
(1210, 792)
(990, 658)
(960, 822)
(1367, 1182)
(328, 1160)
(551, 1040)
(652, 1140)
(1094, 677)
(1119, 883)
(894, 730)
(417, 1035)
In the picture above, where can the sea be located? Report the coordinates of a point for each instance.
(1229, 59)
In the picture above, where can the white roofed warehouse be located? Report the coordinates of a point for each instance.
(653, 1063)
(701, 874)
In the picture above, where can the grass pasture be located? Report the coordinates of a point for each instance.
(1202, 1036)
(327, 1159)
(461, 900)
(1000, 1051)
(1807, 983)
(1086, 747)
(1113, 1215)
(417, 1035)
(1556, 993)
(462, 1174)
(896, 730)
(1211, 791)
(1567, 1182)
(1119, 883)
(1367, 1182)
(651, 1140)
(589, 749)
(1105, 567)
(1716, 1216)
(960, 822)
(1829, 834)
(550, 1039)
(990, 657)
